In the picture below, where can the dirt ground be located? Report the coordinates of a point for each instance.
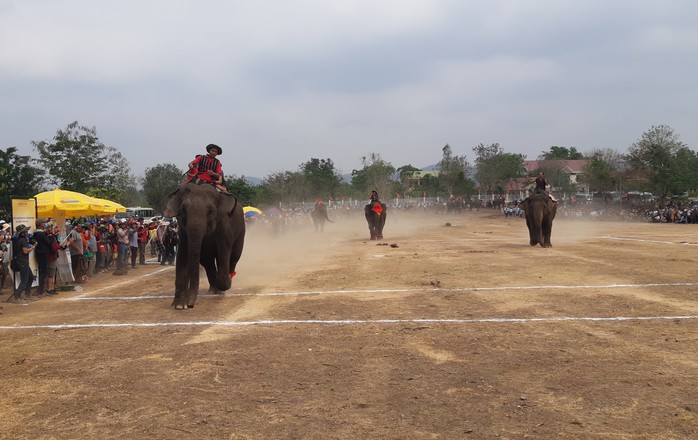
(439, 332)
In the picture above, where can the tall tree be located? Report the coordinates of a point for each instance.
(406, 180)
(375, 175)
(663, 161)
(284, 187)
(18, 177)
(602, 172)
(77, 160)
(561, 153)
(245, 192)
(158, 182)
(321, 177)
(452, 169)
(494, 167)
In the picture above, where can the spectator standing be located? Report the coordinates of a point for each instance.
(142, 242)
(21, 248)
(133, 242)
(76, 249)
(90, 248)
(43, 248)
(122, 248)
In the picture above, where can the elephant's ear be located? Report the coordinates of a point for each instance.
(228, 203)
(172, 206)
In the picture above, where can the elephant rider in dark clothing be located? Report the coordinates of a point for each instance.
(207, 168)
(541, 184)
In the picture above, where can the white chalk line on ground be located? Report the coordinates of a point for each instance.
(346, 322)
(370, 291)
(123, 283)
(678, 243)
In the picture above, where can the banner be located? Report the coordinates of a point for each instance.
(24, 213)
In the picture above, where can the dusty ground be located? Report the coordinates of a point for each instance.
(458, 332)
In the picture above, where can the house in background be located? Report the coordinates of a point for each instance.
(559, 173)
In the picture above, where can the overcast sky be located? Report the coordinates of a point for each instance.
(276, 83)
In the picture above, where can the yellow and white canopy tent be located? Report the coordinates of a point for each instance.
(60, 204)
(68, 204)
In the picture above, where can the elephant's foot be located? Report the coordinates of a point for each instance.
(379, 236)
(533, 243)
(373, 237)
(179, 306)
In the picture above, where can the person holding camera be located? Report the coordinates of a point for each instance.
(22, 246)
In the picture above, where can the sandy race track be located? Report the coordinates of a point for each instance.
(454, 332)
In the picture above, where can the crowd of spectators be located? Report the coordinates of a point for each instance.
(95, 246)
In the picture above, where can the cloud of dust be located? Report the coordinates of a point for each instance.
(270, 257)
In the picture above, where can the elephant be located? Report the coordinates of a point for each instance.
(319, 216)
(375, 217)
(540, 211)
(211, 233)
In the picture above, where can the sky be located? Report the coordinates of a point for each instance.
(276, 83)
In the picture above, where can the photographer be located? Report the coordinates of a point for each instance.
(21, 248)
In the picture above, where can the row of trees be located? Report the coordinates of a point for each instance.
(75, 159)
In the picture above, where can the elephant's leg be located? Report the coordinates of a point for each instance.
(547, 231)
(209, 264)
(379, 226)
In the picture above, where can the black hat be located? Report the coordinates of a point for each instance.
(21, 228)
(209, 146)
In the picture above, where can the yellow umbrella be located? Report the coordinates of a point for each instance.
(69, 203)
(109, 207)
(251, 211)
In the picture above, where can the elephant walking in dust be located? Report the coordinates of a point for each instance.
(540, 211)
(211, 233)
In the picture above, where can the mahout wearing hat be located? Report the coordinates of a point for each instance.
(211, 146)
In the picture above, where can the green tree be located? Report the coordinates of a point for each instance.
(18, 177)
(452, 169)
(284, 187)
(77, 160)
(665, 164)
(246, 193)
(375, 175)
(561, 153)
(158, 182)
(406, 181)
(321, 178)
(603, 171)
(494, 167)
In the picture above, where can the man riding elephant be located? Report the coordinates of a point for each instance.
(375, 213)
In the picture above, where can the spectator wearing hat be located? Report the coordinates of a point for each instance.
(21, 248)
(207, 168)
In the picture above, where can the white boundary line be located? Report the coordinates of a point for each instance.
(345, 322)
(677, 243)
(336, 292)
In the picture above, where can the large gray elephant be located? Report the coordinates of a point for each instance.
(212, 233)
(376, 212)
(540, 211)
